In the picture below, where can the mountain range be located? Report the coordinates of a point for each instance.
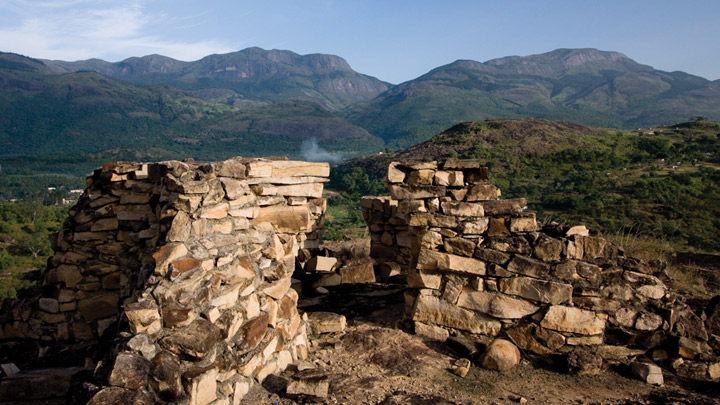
(584, 86)
(243, 78)
(273, 102)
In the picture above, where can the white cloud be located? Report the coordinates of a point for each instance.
(82, 29)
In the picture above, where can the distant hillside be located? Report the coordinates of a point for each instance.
(584, 86)
(244, 78)
(662, 183)
(66, 124)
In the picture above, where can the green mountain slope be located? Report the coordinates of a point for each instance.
(579, 85)
(662, 183)
(67, 124)
(247, 77)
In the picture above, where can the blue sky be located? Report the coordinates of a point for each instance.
(394, 40)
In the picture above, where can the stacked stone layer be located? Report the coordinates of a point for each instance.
(185, 267)
(480, 265)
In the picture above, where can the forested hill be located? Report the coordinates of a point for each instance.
(246, 77)
(585, 86)
(661, 183)
(78, 115)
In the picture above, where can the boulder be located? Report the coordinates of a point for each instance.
(501, 355)
(130, 371)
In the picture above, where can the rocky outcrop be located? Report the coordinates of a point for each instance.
(175, 280)
(480, 265)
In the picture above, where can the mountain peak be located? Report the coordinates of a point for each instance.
(559, 61)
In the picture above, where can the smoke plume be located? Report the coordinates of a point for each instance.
(312, 152)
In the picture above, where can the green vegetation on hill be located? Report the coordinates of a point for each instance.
(662, 183)
(56, 128)
(246, 77)
(585, 86)
(25, 229)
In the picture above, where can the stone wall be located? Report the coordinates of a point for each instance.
(175, 278)
(481, 266)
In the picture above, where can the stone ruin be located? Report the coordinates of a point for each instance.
(482, 267)
(171, 282)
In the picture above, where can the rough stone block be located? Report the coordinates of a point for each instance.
(358, 274)
(167, 254)
(528, 267)
(415, 192)
(37, 384)
(195, 340)
(494, 304)
(574, 320)
(648, 372)
(310, 190)
(537, 290)
(129, 371)
(424, 279)
(482, 192)
(202, 389)
(431, 309)
(536, 339)
(291, 219)
(308, 390)
(491, 255)
(433, 220)
(326, 322)
(463, 209)
(98, 306)
(449, 178)
(431, 332)
(476, 226)
(279, 288)
(523, 224)
(299, 168)
(504, 207)
(321, 264)
(143, 317)
(497, 227)
(395, 175)
(459, 246)
(431, 260)
(424, 176)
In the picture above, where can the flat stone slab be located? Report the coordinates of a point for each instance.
(37, 384)
(326, 322)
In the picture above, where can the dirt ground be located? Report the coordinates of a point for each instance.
(375, 362)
